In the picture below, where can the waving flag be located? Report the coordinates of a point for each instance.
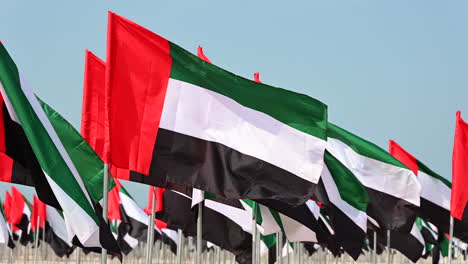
(435, 194)
(393, 189)
(188, 122)
(70, 166)
(459, 170)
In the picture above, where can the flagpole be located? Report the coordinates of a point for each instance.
(105, 203)
(450, 241)
(388, 247)
(78, 255)
(374, 260)
(150, 238)
(36, 239)
(254, 236)
(199, 233)
(179, 246)
(279, 247)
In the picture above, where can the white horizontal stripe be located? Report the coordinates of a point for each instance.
(243, 218)
(57, 224)
(357, 216)
(201, 113)
(171, 234)
(132, 242)
(415, 232)
(377, 175)
(78, 222)
(434, 190)
(297, 232)
(133, 210)
(269, 225)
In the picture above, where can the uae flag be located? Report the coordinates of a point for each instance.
(20, 213)
(18, 164)
(56, 233)
(132, 221)
(6, 237)
(39, 215)
(176, 120)
(345, 201)
(435, 194)
(393, 189)
(459, 170)
(71, 167)
(411, 244)
(217, 227)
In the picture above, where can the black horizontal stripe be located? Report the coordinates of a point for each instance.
(182, 160)
(390, 212)
(405, 243)
(60, 247)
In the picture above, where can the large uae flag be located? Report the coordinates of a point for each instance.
(435, 194)
(393, 189)
(71, 167)
(175, 119)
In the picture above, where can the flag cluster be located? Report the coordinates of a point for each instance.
(250, 156)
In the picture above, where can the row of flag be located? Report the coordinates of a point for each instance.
(159, 115)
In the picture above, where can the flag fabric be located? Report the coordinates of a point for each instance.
(217, 228)
(20, 210)
(393, 189)
(56, 233)
(216, 142)
(345, 201)
(71, 167)
(5, 231)
(459, 196)
(38, 216)
(92, 113)
(435, 193)
(202, 55)
(18, 164)
(409, 244)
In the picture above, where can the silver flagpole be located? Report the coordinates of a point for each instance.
(254, 237)
(259, 241)
(180, 242)
(78, 255)
(279, 247)
(150, 238)
(388, 247)
(198, 259)
(374, 260)
(105, 203)
(36, 239)
(450, 241)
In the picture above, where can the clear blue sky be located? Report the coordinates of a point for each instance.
(387, 69)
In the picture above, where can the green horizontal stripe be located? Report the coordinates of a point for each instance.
(349, 187)
(45, 150)
(431, 173)
(362, 146)
(296, 110)
(89, 165)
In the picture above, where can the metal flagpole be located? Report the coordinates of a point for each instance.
(150, 238)
(279, 247)
(78, 255)
(374, 260)
(105, 202)
(180, 242)
(254, 236)
(36, 239)
(198, 259)
(388, 247)
(450, 241)
(259, 241)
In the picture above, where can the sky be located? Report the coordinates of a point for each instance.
(386, 69)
